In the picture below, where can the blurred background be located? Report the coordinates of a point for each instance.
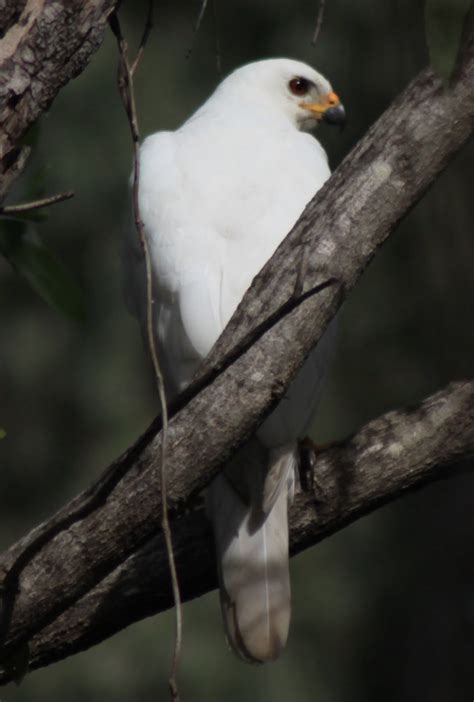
(383, 610)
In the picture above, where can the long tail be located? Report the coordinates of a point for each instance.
(249, 509)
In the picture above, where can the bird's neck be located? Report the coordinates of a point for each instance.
(230, 113)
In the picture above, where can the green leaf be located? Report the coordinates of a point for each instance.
(443, 27)
(3, 433)
(22, 247)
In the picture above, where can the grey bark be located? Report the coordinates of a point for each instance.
(44, 45)
(396, 453)
(59, 563)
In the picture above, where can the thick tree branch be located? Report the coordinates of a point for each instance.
(389, 456)
(46, 44)
(339, 232)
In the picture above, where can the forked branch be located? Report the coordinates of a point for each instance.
(340, 230)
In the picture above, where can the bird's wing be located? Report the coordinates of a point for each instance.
(185, 263)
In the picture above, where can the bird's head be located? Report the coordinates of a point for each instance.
(288, 87)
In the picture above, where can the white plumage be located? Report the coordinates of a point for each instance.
(216, 197)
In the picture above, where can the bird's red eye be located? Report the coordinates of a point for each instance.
(299, 86)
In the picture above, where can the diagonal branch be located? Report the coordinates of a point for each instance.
(389, 456)
(340, 231)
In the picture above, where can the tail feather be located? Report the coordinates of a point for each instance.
(252, 555)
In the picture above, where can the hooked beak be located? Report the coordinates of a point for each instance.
(329, 110)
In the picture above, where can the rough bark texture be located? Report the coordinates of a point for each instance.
(45, 44)
(61, 561)
(10, 12)
(397, 452)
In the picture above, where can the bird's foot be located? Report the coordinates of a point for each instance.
(308, 452)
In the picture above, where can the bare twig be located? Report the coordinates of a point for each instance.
(36, 204)
(146, 33)
(209, 372)
(197, 26)
(216, 38)
(200, 18)
(126, 88)
(319, 22)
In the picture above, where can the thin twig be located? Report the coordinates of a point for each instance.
(197, 26)
(126, 88)
(36, 204)
(200, 16)
(319, 22)
(209, 372)
(216, 38)
(146, 33)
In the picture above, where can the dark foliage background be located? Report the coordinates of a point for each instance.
(384, 609)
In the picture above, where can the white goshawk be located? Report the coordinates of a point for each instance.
(216, 198)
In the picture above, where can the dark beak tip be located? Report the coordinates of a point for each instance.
(335, 115)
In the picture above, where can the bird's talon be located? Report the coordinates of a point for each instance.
(307, 450)
(308, 474)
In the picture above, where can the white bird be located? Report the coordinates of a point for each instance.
(216, 198)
